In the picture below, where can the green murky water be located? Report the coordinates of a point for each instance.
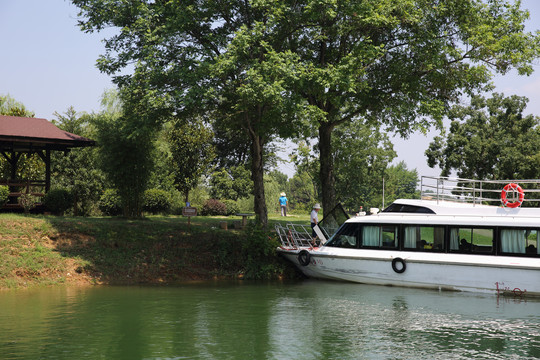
(244, 320)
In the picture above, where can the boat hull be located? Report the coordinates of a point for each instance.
(499, 275)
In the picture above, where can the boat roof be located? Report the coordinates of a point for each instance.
(457, 208)
(431, 212)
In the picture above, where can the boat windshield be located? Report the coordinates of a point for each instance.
(345, 237)
(332, 221)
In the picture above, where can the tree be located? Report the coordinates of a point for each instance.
(400, 63)
(490, 139)
(11, 107)
(400, 183)
(192, 153)
(302, 191)
(77, 170)
(125, 150)
(214, 57)
(361, 156)
(232, 184)
(305, 161)
(265, 66)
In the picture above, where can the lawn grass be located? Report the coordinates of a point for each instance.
(42, 250)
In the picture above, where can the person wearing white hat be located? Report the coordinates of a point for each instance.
(283, 202)
(314, 220)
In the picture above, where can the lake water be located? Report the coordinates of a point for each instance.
(245, 320)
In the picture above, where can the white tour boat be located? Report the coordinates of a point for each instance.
(448, 240)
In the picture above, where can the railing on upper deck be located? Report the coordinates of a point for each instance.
(476, 191)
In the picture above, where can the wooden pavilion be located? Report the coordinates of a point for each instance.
(20, 135)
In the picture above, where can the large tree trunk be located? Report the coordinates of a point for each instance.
(257, 175)
(326, 171)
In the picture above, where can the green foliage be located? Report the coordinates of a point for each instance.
(11, 107)
(362, 154)
(259, 253)
(125, 149)
(270, 68)
(78, 170)
(4, 195)
(213, 207)
(400, 183)
(490, 139)
(302, 192)
(272, 189)
(110, 203)
(58, 200)
(231, 184)
(246, 204)
(191, 152)
(27, 201)
(232, 207)
(156, 201)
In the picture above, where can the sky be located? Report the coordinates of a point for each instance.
(48, 64)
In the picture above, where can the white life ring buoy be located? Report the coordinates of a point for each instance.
(512, 187)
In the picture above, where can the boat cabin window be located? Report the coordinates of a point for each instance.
(424, 238)
(380, 236)
(519, 241)
(471, 240)
(345, 237)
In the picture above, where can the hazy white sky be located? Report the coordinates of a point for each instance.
(48, 64)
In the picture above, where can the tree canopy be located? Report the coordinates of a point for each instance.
(191, 153)
(400, 63)
(489, 139)
(273, 67)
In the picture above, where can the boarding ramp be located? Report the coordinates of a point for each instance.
(294, 236)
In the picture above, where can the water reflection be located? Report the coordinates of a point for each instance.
(306, 320)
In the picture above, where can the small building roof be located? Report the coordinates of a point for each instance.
(31, 134)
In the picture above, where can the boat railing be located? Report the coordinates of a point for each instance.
(442, 188)
(294, 236)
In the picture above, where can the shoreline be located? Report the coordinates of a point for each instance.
(159, 250)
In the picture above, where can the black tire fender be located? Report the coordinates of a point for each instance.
(399, 268)
(304, 257)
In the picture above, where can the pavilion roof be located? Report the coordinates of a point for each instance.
(31, 134)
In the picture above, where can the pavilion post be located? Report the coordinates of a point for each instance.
(47, 170)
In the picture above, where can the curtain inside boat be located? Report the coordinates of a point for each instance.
(454, 239)
(371, 236)
(411, 237)
(513, 241)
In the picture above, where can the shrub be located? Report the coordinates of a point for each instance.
(110, 203)
(156, 201)
(232, 207)
(4, 195)
(213, 207)
(259, 252)
(58, 200)
(27, 201)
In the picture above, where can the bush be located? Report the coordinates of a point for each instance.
(110, 203)
(58, 201)
(259, 252)
(156, 201)
(4, 195)
(27, 201)
(232, 207)
(213, 207)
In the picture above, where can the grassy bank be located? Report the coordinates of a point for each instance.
(45, 250)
